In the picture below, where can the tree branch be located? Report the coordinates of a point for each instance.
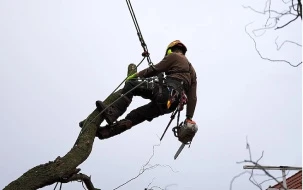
(279, 27)
(286, 41)
(295, 9)
(145, 168)
(255, 163)
(81, 177)
(272, 60)
(65, 168)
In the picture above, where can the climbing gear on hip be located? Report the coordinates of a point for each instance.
(176, 92)
(182, 102)
(175, 95)
(176, 83)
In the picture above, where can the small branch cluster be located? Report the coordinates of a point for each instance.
(293, 11)
(276, 20)
(252, 174)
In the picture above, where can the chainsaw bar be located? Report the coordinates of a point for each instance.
(179, 151)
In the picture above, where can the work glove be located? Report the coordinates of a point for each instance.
(189, 120)
(131, 76)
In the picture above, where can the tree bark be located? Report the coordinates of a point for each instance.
(64, 168)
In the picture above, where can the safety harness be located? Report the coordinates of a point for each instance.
(177, 92)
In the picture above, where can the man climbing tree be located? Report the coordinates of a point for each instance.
(165, 95)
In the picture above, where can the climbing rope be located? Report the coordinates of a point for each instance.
(143, 44)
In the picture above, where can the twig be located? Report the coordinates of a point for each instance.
(279, 27)
(295, 9)
(145, 168)
(286, 41)
(273, 179)
(272, 60)
(150, 183)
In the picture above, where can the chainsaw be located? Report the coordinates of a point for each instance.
(185, 133)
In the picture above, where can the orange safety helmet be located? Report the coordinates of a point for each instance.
(173, 44)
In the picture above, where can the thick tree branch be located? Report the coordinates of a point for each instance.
(54, 171)
(65, 168)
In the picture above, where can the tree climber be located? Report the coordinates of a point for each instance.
(180, 79)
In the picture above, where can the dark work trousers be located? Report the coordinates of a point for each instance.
(155, 108)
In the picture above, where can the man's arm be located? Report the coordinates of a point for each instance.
(192, 99)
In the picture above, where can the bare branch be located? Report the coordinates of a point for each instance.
(272, 60)
(269, 15)
(235, 177)
(152, 188)
(270, 179)
(145, 168)
(273, 22)
(64, 168)
(249, 172)
(252, 172)
(264, 170)
(286, 2)
(150, 183)
(286, 41)
(249, 7)
(255, 163)
(300, 8)
(287, 23)
(147, 188)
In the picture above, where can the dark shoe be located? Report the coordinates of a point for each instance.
(113, 112)
(113, 130)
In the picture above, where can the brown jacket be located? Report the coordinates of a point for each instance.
(172, 63)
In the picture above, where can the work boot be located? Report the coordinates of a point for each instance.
(113, 112)
(115, 129)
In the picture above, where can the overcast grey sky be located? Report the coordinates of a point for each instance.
(58, 57)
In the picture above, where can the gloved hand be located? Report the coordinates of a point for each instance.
(189, 120)
(131, 76)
